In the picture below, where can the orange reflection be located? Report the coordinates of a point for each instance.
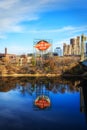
(42, 102)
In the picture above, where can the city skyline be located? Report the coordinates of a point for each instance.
(23, 22)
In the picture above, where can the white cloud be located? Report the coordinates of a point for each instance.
(2, 36)
(13, 12)
(69, 32)
(67, 29)
(61, 35)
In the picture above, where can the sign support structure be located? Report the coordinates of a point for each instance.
(42, 50)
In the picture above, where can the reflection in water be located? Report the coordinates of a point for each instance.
(19, 98)
(29, 84)
(82, 105)
(41, 97)
(42, 102)
(83, 97)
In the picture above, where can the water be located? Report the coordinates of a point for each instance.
(18, 112)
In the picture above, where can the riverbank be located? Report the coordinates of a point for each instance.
(30, 75)
(64, 68)
(43, 75)
(72, 75)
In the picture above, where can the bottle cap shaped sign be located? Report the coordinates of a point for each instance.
(42, 45)
(42, 102)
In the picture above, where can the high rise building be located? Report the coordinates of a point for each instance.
(69, 51)
(74, 48)
(58, 50)
(78, 45)
(86, 48)
(65, 49)
(73, 44)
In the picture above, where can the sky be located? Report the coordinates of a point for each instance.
(24, 22)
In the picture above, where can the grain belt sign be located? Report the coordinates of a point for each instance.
(42, 45)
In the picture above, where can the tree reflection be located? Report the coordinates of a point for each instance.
(28, 85)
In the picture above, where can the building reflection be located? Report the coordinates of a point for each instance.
(31, 85)
(83, 97)
(39, 88)
(41, 97)
(82, 105)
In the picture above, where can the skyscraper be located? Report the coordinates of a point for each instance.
(58, 51)
(78, 45)
(73, 44)
(86, 49)
(65, 49)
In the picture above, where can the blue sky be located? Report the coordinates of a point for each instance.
(24, 21)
